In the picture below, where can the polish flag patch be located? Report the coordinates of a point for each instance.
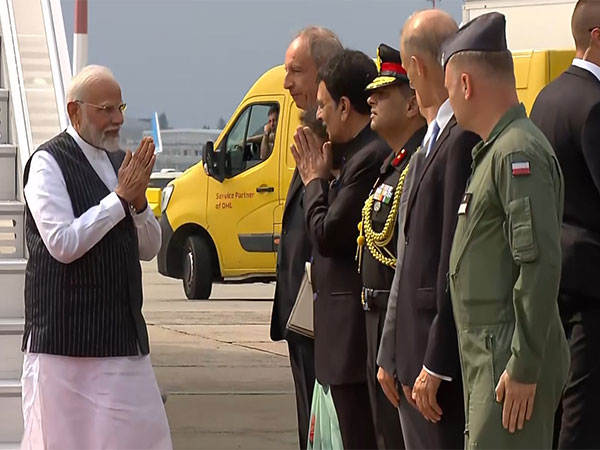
(520, 169)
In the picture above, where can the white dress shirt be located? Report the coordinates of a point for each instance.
(67, 237)
(587, 65)
(442, 118)
(88, 402)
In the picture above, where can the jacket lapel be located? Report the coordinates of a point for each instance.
(427, 163)
(295, 187)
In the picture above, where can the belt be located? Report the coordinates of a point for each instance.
(374, 299)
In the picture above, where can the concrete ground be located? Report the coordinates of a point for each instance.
(228, 385)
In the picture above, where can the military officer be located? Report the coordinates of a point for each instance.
(505, 260)
(395, 117)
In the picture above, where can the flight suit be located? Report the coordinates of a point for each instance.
(504, 275)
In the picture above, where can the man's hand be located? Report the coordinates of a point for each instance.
(388, 384)
(267, 129)
(312, 160)
(425, 396)
(134, 174)
(518, 401)
(408, 396)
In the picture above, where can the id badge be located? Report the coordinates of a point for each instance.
(463, 209)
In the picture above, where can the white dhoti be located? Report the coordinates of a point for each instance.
(92, 403)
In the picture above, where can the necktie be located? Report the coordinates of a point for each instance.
(433, 138)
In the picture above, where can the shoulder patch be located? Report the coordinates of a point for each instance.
(521, 168)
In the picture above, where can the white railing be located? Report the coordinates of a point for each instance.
(59, 55)
(20, 123)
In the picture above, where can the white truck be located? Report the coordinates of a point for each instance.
(530, 25)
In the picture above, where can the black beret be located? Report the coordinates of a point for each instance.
(486, 33)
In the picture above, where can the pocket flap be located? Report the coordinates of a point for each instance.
(522, 238)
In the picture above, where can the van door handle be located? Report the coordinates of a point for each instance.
(262, 189)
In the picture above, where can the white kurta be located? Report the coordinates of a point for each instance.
(88, 403)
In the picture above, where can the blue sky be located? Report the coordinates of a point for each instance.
(195, 59)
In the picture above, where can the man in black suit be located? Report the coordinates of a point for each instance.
(427, 360)
(568, 112)
(333, 210)
(309, 50)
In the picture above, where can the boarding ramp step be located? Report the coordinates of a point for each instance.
(12, 279)
(11, 332)
(11, 416)
(12, 242)
(8, 172)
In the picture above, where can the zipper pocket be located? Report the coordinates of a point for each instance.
(489, 345)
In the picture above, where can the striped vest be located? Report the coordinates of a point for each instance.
(91, 307)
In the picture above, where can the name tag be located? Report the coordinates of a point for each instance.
(464, 204)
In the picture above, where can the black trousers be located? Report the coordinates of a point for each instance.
(578, 426)
(302, 362)
(446, 434)
(354, 415)
(385, 415)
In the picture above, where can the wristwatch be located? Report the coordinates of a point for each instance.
(135, 211)
(129, 208)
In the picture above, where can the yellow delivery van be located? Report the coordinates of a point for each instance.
(221, 219)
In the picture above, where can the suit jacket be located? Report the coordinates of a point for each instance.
(333, 211)
(386, 357)
(425, 330)
(568, 112)
(294, 250)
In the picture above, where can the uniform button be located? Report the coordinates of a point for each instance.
(406, 241)
(284, 231)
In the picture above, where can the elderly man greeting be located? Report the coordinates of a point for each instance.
(87, 378)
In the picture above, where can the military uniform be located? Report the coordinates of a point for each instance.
(504, 277)
(505, 265)
(377, 249)
(380, 218)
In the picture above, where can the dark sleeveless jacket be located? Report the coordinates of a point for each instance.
(91, 307)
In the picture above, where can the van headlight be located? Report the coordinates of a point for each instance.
(167, 192)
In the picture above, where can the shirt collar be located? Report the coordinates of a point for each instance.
(587, 65)
(515, 113)
(442, 118)
(444, 115)
(83, 145)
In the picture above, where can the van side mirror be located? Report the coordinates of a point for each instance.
(213, 161)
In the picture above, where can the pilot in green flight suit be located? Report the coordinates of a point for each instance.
(505, 260)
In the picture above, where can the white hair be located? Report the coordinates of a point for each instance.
(84, 78)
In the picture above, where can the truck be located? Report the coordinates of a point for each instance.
(531, 24)
(221, 220)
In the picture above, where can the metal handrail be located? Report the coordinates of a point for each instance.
(59, 55)
(18, 98)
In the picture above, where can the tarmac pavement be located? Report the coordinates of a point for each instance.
(228, 386)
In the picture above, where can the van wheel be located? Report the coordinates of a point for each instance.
(197, 269)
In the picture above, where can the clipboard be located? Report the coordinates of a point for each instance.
(301, 319)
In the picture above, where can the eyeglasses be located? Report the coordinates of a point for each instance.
(106, 109)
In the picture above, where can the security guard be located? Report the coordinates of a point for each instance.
(505, 260)
(395, 117)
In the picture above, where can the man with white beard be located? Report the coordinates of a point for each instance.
(87, 377)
